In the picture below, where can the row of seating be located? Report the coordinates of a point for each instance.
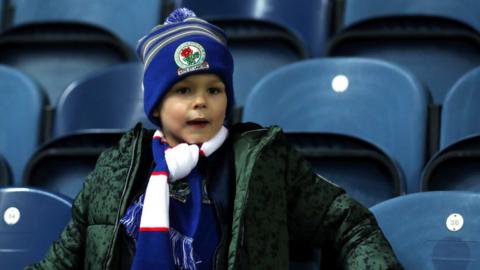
(421, 36)
(428, 230)
(350, 109)
(415, 35)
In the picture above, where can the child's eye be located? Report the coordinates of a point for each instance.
(213, 90)
(183, 90)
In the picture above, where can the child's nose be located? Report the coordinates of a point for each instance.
(200, 101)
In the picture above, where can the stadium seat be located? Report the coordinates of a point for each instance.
(371, 177)
(125, 19)
(62, 165)
(258, 44)
(460, 112)
(5, 172)
(56, 54)
(457, 165)
(31, 220)
(465, 11)
(433, 230)
(114, 99)
(438, 42)
(310, 20)
(21, 111)
(372, 100)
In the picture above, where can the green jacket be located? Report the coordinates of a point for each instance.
(278, 198)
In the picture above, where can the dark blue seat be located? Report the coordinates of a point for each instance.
(310, 20)
(258, 42)
(433, 230)
(362, 169)
(57, 54)
(455, 167)
(121, 17)
(5, 172)
(114, 99)
(465, 11)
(31, 220)
(63, 164)
(21, 110)
(438, 42)
(460, 112)
(368, 99)
(457, 164)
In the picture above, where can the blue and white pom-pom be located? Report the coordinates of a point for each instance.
(179, 15)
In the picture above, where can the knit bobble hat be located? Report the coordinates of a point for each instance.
(182, 46)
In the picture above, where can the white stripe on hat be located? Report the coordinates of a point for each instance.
(173, 38)
(148, 43)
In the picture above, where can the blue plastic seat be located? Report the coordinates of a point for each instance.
(31, 220)
(456, 166)
(460, 112)
(372, 100)
(422, 36)
(371, 177)
(114, 99)
(21, 111)
(121, 17)
(62, 165)
(249, 69)
(465, 11)
(425, 233)
(310, 20)
(57, 54)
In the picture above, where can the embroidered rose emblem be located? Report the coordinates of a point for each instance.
(186, 52)
(189, 56)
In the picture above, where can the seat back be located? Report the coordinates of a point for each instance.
(21, 110)
(460, 112)
(455, 167)
(372, 100)
(465, 11)
(114, 99)
(310, 21)
(433, 230)
(124, 19)
(31, 220)
(266, 42)
(372, 176)
(419, 35)
(64, 163)
(57, 54)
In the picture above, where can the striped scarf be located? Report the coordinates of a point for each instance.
(157, 245)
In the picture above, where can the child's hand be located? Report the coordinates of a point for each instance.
(181, 159)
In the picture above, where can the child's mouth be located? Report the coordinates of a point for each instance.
(197, 123)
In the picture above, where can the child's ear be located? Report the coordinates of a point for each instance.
(156, 113)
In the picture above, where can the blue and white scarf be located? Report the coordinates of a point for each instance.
(157, 245)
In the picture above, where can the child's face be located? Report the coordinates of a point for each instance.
(193, 110)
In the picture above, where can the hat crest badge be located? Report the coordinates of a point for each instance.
(190, 56)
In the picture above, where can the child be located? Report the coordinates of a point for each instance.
(199, 194)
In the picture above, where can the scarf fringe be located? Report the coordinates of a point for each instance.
(131, 219)
(183, 255)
